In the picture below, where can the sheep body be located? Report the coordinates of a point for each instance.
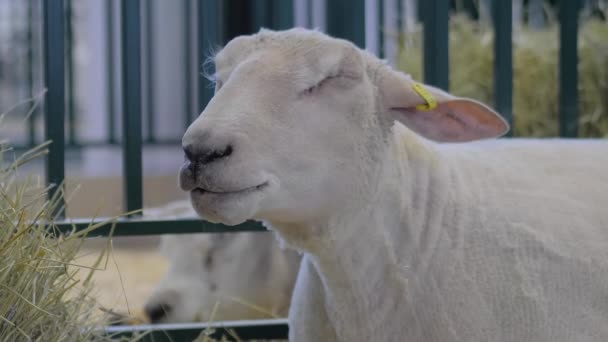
(506, 241)
(411, 230)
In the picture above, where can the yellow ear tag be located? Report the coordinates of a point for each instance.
(431, 101)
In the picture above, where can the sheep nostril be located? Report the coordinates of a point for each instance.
(227, 151)
(189, 152)
(204, 155)
(157, 312)
(214, 155)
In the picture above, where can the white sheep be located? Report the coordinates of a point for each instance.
(411, 230)
(228, 276)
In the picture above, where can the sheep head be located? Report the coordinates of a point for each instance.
(300, 120)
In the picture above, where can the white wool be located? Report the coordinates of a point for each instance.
(245, 274)
(404, 238)
(499, 241)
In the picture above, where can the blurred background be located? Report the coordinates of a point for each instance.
(174, 92)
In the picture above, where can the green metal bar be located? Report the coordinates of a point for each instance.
(568, 68)
(131, 137)
(189, 114)
(70, 94)
(210, 35)
(436, 49)
(31, 123)
(309, 14)
(503, 60)
(170, 142)
(144, 226)
(237, 18)
(346, 19)
(54, 81)
(150, 110)
(262, 14)
(399, 10)
(380, 4)
(268, 329)
(110, 72)
(273, 14)
(282, 11)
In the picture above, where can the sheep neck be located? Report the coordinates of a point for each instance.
(362, 256)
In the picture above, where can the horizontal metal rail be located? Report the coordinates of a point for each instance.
(244, 330)
(138, 226)
(102, 144)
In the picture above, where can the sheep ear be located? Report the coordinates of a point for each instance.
(437, 115)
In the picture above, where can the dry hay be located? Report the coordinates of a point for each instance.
(44, 294)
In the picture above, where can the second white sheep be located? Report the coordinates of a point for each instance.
(220, 276)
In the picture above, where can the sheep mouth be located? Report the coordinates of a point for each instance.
(203, 191)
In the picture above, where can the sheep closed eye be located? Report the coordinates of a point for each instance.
(317, 87)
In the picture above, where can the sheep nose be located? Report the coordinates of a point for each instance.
(157, 312)
(203, 155)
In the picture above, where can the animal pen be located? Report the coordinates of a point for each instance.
(214, 22)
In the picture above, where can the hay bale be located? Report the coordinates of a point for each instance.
(44, 296)
(535, 73)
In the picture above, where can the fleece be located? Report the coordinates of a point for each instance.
(495, 240)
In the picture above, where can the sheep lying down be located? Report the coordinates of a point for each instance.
(219, 277)
(225, 276)
(416, 224)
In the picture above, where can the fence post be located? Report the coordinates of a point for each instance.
(380, 28)
(150, 68)
(237, 19)
(71, 105)
(345, 19)
(436, 47)
(54, 81)
(131, 80)
(210, 35)
(271, 14)
(31, 123)
(282, 11)
(503, 60)
(261, 14)
(188, 71)
(568, 68)
(110, 71)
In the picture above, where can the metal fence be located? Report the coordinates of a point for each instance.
(217, 21)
